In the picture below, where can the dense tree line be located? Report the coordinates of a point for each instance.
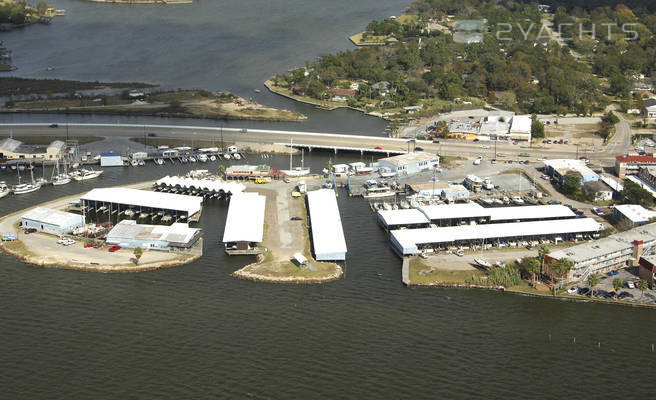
(524, 73)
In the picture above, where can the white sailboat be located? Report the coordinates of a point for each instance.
(298, 171)
(60, 178)
(24, 188)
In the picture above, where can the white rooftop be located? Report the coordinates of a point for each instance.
(146, 198)
(521, 124)
(403, 217)
(52, 217)
(563, 164)
(454, 211)
(613, 183)
(635, 213)
(408, 239)
(129, 229)
(411, 158)
(530, 212)
(245, 221)
(326, 224)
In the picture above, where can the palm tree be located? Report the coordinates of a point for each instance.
(532, 266)
(642, 285)
(543, 251)
(222, 168)
(618, 283)
(593, 280)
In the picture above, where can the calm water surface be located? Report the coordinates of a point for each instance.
(195, 332)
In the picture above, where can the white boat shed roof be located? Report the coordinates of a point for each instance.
(52, 217)
(407, 240)
(455, 211)
(245, 221)
(530, 212)
(402, 217)
(326, 224)
(146, 198)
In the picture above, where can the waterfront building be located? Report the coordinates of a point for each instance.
(121, 200)
(630, 164)
(632, 215)
(558, 168)
(647, 270)
(610, 253)
(128, 234)
(244, 227)
(520, 128)
(111, 159)
(51, 221)
(326, 226)
(249, 171)
(410, 163)
(411, 241)
(12, 149)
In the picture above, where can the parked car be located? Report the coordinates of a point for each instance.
(552, 202)
(436, 140)
(612, 273)
(584, 291)
(630, 285)
(30, 230)
(114, 248)
(625, 295)
(296, 219)
(8, 237)
(419, 149)
(243, 130)
(151, 134)
(54, 126)
(378, 148)
(459, 253)
(598, 211)
(573, 290)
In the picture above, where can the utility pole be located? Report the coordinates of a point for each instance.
(221, 137)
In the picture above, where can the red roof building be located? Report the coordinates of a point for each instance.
(630, 164)
(341, 92)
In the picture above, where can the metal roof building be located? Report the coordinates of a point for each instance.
(143, 201)
(446, 214)
(245, 221)
(326, 225)
(51, 221)
(635, 214)
(129, 234)
(392, 219)
(525, 213)
(409, 241)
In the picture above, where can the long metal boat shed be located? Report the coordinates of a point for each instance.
(51, 221)
(411, 241)
(395, 219)
(118, 200)
(129, 234)
(244, 228)
(467, 213)
(326, 226)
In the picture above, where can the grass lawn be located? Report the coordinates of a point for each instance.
(358, 40)
(18, 247)
(420, 273)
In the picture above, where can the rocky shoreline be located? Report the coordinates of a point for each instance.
(252, 276)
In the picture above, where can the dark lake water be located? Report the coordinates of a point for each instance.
(194, 332)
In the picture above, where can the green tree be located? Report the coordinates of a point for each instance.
(642, 285)
(537, 128)
(42, 7)
(571, 184)
(618, 283)
(222, 168)
(593, 280)
(635, 194)
(138, 252)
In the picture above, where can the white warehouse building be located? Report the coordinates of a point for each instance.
(51, 221)
(326, 226)
(409, 163)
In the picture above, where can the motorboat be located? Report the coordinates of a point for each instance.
(134, 163)
(236, 156)
(141, 163)
(4, 189)
(86, 174)
(192, 159)
(212, 158)
(483, 263)
(202, 158)
(24, 188)
(226, 156)
(375, 190)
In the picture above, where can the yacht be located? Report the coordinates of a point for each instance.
(226, 156)
(375, 190)
(24, 188)
(298, 171)
(212, 158)
(86, 174)
(134, 163)
(202, 158)
(141, 163)
(236, 156)
(61, 179)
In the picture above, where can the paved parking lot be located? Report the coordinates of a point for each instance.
(630, 274)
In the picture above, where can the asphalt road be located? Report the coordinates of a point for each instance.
(445, 147)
